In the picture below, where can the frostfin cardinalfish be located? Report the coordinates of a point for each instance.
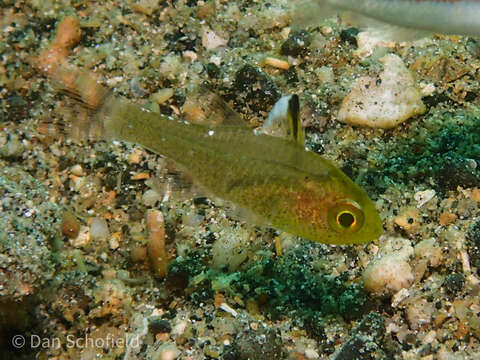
(397, 19)
(274, 178)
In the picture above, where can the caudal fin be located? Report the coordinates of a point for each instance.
(89, 111)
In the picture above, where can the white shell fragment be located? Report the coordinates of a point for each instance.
(210, 40)
(422, 197)
(384, 101)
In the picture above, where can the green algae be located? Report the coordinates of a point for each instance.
(443, 153)
(285, 284)
(28, 224)
(473, 243)
(365, 339)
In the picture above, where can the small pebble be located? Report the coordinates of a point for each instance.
(109, 274)
(409, 220)
(213, 70)
(179, 328)
(325, 74)
(158, 325)
(429, 250)
(210, 40)
(390, 271)
(156, 242)
(70, 225)
(297, 43)
(167, 351)
(77, 170)
(206, 11)
(472, 163)
(422, 197)
(311, 354)
(277, 63)
(384, 101)
(114, 243)
(138, 254)
(454, 283)
(446, 218)
(419, 313)
(99, 229)
(146, 7)
(135, 157)
(349, 35)
(83, 237)
(388, 274)
(150, 197)
(255, 88)
(13, 148)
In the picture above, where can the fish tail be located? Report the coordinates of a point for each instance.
(94, 103)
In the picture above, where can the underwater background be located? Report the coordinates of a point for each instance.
(107, 251)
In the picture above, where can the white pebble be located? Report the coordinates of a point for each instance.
(422, 197)
(390, 272)
(225, 307)
(419, 313)
(167, 351)
(384, 101)
(311, 354)
(428, 249)
(179, 328)
(114, 244)
(99, 229)
(77, 170)
(150, 197)
(210, 40)
(82, 239)
(387, 274)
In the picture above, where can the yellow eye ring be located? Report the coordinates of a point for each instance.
(345, 216)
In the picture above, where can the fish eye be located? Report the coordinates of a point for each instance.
(346, 219)
(345, 216)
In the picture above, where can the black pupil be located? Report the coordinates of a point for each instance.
(346, 219)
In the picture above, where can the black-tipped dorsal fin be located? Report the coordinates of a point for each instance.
(284, 120)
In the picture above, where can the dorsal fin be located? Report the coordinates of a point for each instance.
(284, 120)
(296, 131)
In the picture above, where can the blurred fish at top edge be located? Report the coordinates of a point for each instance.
(397, 20)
